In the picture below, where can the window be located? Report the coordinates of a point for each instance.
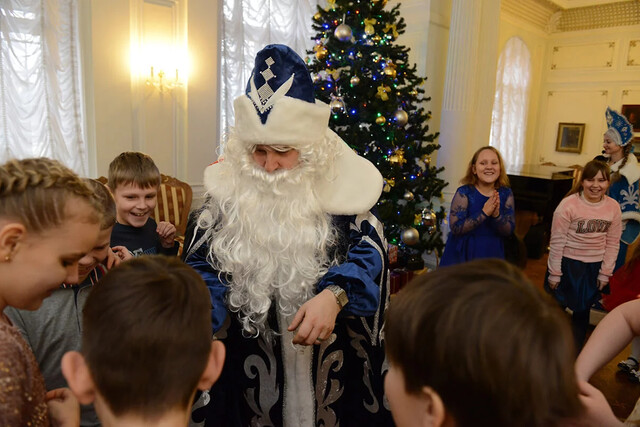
(40, 90)
(250, 25)
(509, 117)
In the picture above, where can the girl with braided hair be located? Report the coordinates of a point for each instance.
(48, 221)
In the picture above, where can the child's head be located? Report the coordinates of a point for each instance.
(487, 167)
(478, 342)
(134, 180)
(48, 221)
(146, 340)
(99, 252)
(593, 182)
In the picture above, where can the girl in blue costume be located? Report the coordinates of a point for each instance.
(482, 211)
(625, 173)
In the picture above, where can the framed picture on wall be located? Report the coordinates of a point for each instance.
(570, 136)
(632, 113)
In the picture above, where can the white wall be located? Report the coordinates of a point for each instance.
(177, 128)
(575, 76)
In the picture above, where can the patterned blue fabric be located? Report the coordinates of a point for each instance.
(347, 369)
(474, 235)
(627, 196)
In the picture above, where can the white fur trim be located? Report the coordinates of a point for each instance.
(290, 122)
(356, 186)
(353, 187)
(631, 170)
(299, 397)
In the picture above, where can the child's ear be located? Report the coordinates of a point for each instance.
(76, 372)
(435, 411)
(214, 366)
(10, 235)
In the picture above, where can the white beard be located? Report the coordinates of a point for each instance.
(270, 235)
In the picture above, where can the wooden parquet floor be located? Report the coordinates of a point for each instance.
(620, 392)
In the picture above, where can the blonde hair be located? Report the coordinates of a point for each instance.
(472, 179)
(132, 167)
(104, 199)
(35, 192)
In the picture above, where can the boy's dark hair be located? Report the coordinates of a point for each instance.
(496, 350)
(132, 167)
(147, 335)
(105, 201)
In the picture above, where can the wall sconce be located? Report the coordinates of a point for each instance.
(162, 82)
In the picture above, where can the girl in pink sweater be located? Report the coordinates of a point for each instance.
(585, 236)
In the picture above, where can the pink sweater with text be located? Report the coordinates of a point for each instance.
(587, 232)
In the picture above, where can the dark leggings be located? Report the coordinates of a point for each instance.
(580, 325)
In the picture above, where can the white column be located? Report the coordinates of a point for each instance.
(469, 86)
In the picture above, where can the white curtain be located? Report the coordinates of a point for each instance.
(509, 117)
(248, 26)
(41, 108)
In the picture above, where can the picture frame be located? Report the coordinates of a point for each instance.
(632, 113)
(570, 136)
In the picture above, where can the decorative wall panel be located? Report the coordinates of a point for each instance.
(586, 56)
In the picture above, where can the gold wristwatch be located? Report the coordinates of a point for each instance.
(340, 294)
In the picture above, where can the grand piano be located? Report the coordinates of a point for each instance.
(539, 189)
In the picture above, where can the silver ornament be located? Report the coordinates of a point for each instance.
(337, 105)
(410, 236)
(355, 81)
(431, 229)
(401, 117)
(343, 32)
(408, 196)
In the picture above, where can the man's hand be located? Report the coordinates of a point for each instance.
(167, 233)
(315, 319)
(63, 406)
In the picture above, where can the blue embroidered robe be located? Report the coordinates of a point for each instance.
(347, 369)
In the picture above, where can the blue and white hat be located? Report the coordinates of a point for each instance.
(620, 129)
(279, 108)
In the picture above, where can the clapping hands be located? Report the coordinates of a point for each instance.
(492, 205)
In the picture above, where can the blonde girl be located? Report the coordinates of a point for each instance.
(48, 222)
(482, 211)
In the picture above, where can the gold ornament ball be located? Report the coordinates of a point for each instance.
(343, 32)
(317, 16)
(408, 196)
(410, 236)
(401, 117)
(369, 29)
(428, 217)
(381, 120)
(390, 71)
(413, 93)
(321, 53)
(337, 105)
(376, 38)
(355, 81)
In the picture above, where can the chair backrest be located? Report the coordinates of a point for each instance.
(174, 202)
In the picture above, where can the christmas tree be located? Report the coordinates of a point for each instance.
(376, 103)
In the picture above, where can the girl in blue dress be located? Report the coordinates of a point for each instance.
(482, 211)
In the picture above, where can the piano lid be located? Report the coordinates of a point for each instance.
(541, 171)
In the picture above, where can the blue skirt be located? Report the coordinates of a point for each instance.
(578, 288)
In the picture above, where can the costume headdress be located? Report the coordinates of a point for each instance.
(620, 129)
(279, 108)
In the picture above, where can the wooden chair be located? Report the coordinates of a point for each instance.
(174, 202)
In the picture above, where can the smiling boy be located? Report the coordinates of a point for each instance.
(134, 180)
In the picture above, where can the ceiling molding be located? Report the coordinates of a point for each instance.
(551, 17)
